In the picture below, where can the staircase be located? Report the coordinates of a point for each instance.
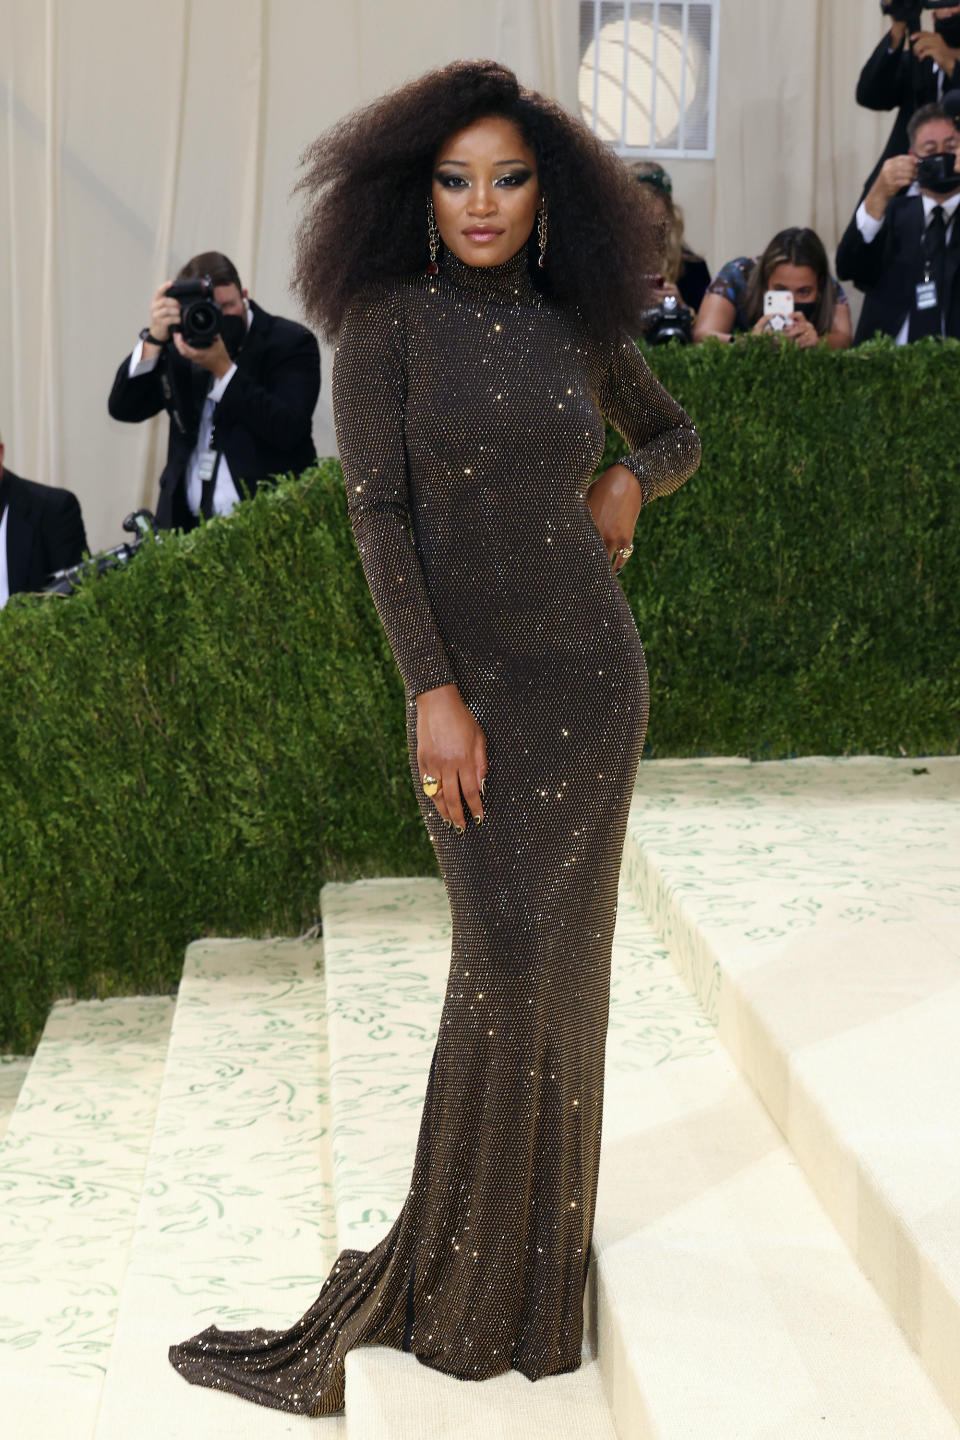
(777, 1248)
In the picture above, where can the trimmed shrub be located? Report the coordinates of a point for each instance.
(193, 745)
(799, 595)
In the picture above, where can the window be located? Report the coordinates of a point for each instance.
(648, 75)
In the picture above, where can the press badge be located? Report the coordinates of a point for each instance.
(927, 295)
(208, 458)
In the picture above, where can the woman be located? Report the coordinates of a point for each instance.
(685, 274)
(795, 260)
(476, 252)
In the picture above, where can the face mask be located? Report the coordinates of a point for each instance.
(949, 29)
(807, 308)
(233, 329)
(938, 173)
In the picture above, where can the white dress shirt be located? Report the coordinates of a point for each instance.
(225, 494)
(870, 228)
(4, 576)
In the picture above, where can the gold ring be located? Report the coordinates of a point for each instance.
(625, 552)
(430, 786)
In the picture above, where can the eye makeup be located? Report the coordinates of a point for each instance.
(512, 180)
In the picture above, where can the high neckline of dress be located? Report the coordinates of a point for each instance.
(510, 281)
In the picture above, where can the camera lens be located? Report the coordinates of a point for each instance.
(203, 319)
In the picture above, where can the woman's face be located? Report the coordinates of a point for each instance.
(485, 191)
(801, 279)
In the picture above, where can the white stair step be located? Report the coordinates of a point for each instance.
(13, 1072)
(728, 1306)
(387, 947)
(236, 1224)
(390, 1396)
(71, 1172)
(814, 907)
(715, 1318)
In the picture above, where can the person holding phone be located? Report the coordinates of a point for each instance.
(794, 262)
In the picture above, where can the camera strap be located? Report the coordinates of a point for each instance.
(169, 398)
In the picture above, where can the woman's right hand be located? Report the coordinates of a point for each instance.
(451, 747)
(762, 325)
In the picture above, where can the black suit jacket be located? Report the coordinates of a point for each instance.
(896, 81)
(44, 531)
(888, 269)
(263, 425)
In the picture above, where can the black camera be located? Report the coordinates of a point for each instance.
(938, 173)
(911, 11)
(199, 313)
(140, 524)
(671, 320)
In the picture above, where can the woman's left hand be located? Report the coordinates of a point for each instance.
(801, 331)
(615, 501)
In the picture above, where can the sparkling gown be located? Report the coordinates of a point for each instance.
(469, 420)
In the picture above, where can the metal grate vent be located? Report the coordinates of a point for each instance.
(648, 75)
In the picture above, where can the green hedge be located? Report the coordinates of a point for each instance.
(193, 745)
(800, 594)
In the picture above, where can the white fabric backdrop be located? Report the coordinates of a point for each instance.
(134, 133)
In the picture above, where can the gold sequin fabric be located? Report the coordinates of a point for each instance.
(469, 413)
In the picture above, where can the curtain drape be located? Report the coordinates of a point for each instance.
(793, 147)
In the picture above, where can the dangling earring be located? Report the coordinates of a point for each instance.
(433, 236)
(542, 234)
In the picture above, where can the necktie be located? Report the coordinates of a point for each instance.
(935, 238)
(209, 484)
(207, 488)
(927, 322)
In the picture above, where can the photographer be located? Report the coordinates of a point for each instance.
(910, 68)
(683, 275)
(900, 248)
(794, 261)
(240, 399)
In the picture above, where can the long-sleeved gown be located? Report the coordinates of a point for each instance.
(469, 419)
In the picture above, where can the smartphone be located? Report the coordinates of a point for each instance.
(778, 304)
